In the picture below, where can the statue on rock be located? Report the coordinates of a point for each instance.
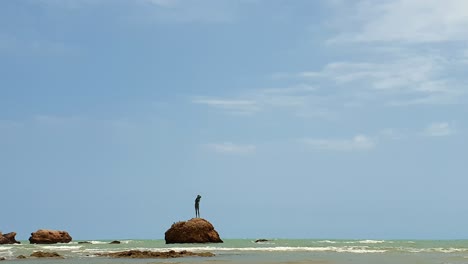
(197, 206)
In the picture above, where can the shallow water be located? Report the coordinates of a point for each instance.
(247, 251)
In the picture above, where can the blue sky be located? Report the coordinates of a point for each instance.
(292, 119)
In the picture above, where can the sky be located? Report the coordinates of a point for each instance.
(292, 119)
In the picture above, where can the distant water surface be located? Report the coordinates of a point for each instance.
(247, 251)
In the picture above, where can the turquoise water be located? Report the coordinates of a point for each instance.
(247, 251)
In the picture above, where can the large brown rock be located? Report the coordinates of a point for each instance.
(44, 236)
(8, 238)
(195, 230)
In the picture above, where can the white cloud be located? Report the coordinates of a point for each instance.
(411, 21)
(357, 143)
(393, 75)
(301, 100)
(231, 148)
(439, 130)
(414, 79)
(233, 106)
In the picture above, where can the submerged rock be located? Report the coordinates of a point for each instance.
(261, 240)
(42, 254)
(115, 242)
(195, 230)
(153, 254)
(45, 236)
(8, 238)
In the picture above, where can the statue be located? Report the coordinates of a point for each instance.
(197, 206)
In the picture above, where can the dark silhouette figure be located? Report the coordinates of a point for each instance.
(197, 206)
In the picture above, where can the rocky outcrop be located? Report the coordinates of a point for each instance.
(8, 238)
(42, 254)
(44, 236)
(195, 230)
(152, 254)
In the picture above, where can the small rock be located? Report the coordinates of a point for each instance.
(115, 242)
(21, 257)
(84, 242)
(261, 240)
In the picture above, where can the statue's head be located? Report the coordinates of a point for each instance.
(198, 196)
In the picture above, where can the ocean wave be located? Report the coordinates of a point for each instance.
(436, 250)
(368, 241)
(328, 241)
(61, 248)
(288, 249)
(96, 242)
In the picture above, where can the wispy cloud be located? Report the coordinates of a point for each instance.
(416, 79)
(411, 21)
(357, 143)
(442, 129)
(418, 43)
(301, 100)
(233, 106)
(231, 148)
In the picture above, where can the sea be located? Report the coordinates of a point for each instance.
(246, 251)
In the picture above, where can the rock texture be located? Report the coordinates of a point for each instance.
(42, 254)
(8, 238)
(44, 236)
(195, 230)
(152, 254)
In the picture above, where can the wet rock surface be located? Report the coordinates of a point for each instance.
(45, 236)
(195, 230)
(42, 254)
(153, 254)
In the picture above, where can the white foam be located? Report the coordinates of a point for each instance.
(437, 250)
(95, 242)
(368, 241)
(62, 248)
(328, 241)
(288, 249)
